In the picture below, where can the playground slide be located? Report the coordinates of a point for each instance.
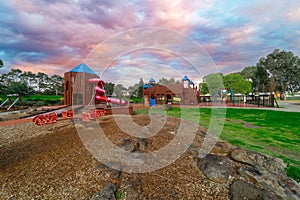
(100, 93)
(111, 100)
(118, 101)
(100, 90)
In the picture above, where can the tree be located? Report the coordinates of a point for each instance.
(140, 91)
(20, 88)
(262, 82)
(109, 88)
(119, 90)
(214, 82)
(250, 74)
(238, 83)
(1, 63)
(203, 89)
(284, 68)
(3, 85)
(164, 81)
(132, 90)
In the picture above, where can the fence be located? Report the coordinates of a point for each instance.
(241, 100)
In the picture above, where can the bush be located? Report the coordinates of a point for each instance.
(136, 100)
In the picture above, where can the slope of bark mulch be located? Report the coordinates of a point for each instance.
(51, 162)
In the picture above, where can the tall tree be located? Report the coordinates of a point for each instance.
(140, 91)
(249, 73)
(109, 88)
(1, 63)
(284, 68)
(203, 89)
(262, 81)
(132, 90)
(214, 82)
(20, 88)
(119, 90)
(164, 81)
(238, 83)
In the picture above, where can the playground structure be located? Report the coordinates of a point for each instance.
(100, 94)
(77, 90)
(184, 93)
(11, 101)
(82, 87)
(226, 96)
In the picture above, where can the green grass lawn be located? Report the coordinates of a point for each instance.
(274, 133)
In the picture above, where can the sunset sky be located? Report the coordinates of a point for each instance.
(56, 35)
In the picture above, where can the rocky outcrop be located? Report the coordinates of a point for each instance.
(215, 168)
(253, 175)
(278, 183)
(241, 189)
(258, 160)
(108, 193)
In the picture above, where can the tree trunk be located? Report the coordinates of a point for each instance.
(283, 89)
(282, 96)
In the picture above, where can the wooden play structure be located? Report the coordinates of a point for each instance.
(186, 92)
(83, 88)
(77, 89)
(10, 100)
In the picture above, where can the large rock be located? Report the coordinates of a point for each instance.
(221, 148)
(258, 160)
(108, 193)
(278, 183)
(216, 168)
(112, 169)
(126, 145)
(241, 189)
(141, 144)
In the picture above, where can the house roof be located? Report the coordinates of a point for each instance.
(145, 86)
(152, 80)
(185, 78)
(82, 68)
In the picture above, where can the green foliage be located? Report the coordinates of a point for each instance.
(238, 83)
(39, 83)
(1, 63)
(140, 90)
(284, 67)
(214, 82)
(164, 81)
(136, 99)
(203, 89)
(18, 88)
(249, 73)
(41, 100)
(262, 81)
(120, 195)
(109, 88)
(119, 90)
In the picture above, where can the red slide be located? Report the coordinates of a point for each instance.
(100, 93)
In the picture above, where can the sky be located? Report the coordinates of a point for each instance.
(123, 41)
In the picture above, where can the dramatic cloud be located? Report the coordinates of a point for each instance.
(54, 36)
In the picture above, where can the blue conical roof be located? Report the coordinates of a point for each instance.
(185, 78)
(82, 68)
(145, 86)
(152, 80)
(191, 83)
